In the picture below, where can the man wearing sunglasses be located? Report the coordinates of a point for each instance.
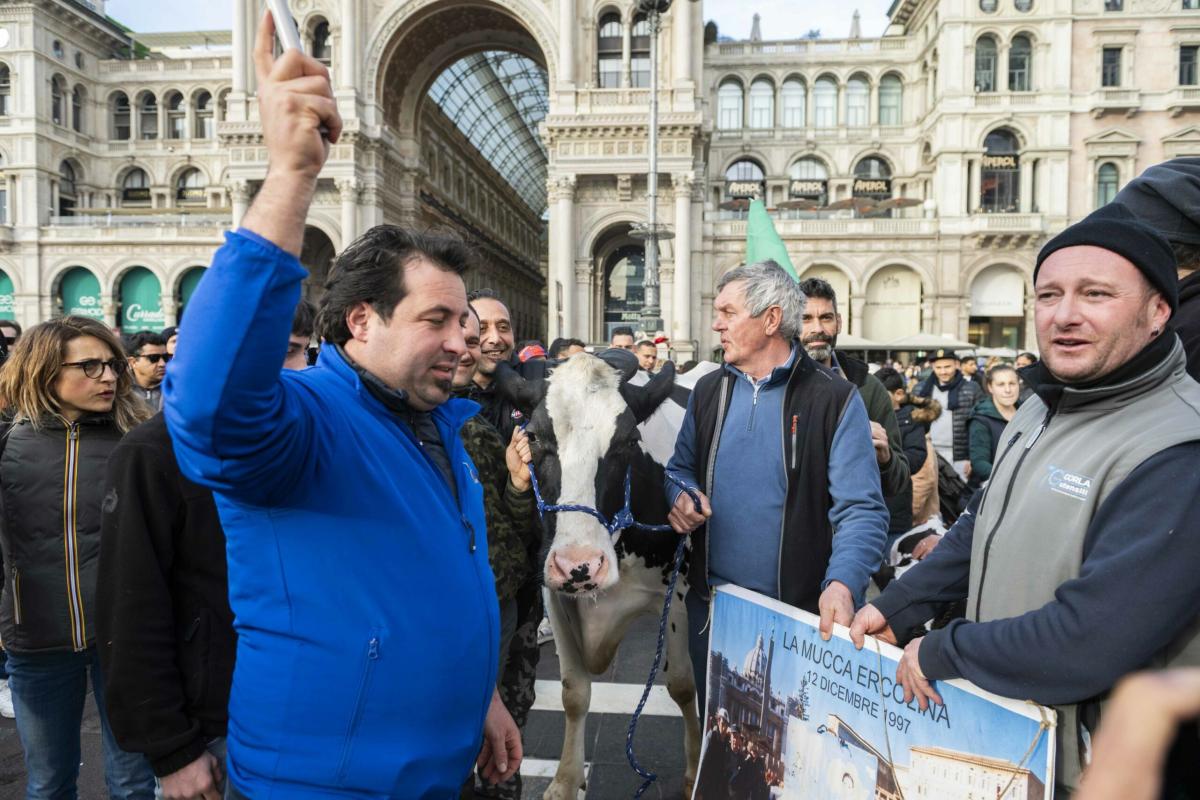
(148, 359)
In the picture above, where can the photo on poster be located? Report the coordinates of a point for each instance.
(790, 716)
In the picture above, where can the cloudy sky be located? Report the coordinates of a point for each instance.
(782, 19)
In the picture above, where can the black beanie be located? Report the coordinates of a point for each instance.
(1167, 198)
(1114, 228)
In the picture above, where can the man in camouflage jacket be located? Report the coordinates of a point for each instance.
(514, 541)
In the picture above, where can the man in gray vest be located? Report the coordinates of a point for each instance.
(1078, 562)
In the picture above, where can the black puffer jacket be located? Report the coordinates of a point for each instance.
(51, 490)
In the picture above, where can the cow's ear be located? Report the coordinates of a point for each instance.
(525, 395)
(623, 361)
(643, 401)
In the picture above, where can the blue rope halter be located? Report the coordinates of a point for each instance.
(620, 521)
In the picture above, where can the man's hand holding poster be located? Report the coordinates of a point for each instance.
(792, 716)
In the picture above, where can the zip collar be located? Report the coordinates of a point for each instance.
(1059, 397)
(779, 374)
(452, 413)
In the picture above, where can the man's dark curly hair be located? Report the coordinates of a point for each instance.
(371, 270)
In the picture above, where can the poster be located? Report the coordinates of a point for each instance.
(792, 717)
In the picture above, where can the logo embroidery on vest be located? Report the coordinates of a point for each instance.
(1068, 483)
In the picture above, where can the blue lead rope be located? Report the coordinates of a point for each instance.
(620, 521)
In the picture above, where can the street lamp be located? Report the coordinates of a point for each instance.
(652, 232)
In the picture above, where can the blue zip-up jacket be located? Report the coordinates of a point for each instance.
(367, 621)
(748, 505)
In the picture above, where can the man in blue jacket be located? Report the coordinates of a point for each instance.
(353, 515)
(781, 448)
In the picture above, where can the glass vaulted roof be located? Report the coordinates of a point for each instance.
(497, 100)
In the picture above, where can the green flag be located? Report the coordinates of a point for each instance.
(763, 242)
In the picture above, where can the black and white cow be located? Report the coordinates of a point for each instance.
(583, 432)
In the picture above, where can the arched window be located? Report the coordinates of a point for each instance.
(999, 190)
(825, 98)
(222, 104)
(1106, 183)
(745, 179)
(873, 168)
(729, 106)
(5, 90)
(189, 187)
(985, 64)
(639, 53)
(120, 116)
(56, 47)
(891, 93)
(794, 100)
(204, 116)
(66, 189)
(1020, 64)
(135, 188)
(176, 116)
(762, 104)
(148, 117)
(809, 180)
(322, 45)
(988, 6)
(77, 100)
(58, 110)
(608, 51)
(858, 102)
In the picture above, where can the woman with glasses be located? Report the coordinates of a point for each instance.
(69, 399)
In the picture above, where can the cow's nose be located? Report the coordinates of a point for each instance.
(577, 569)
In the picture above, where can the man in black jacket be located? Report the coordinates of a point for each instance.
(1167, 198)
(165, 628)
(822, 324)
(958, 396)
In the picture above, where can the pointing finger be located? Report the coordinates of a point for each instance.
(264, 47)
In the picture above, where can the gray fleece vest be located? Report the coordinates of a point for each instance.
(1049, 481)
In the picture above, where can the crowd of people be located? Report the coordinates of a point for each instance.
(310, 565)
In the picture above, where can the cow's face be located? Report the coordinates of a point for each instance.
(583, 435)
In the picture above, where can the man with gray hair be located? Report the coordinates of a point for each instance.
(780, 450)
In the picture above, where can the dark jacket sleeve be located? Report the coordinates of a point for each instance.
(982, 449)
(914, 446)
(893, 476)
(135, 620)
(942, 577)
(1136, 591)
(968, 395)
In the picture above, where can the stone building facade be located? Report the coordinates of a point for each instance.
(950, 148)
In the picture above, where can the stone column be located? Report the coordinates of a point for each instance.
(1025, 186)
(347, 56)
(583, 301)
(681, 302)
(566, 41)
(241, 52)
(858, 312)
(562, 263)
(626, 52)
(348, 189)
(682, 42)
(975, 186)
(239, 195)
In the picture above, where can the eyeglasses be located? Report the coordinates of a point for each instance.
(94, 367)
(154, 358)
